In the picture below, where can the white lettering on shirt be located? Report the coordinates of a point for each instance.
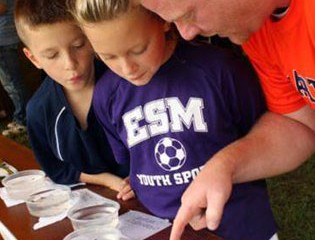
(156, 120)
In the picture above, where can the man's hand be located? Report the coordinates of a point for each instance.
(204, 200)
(261, 153)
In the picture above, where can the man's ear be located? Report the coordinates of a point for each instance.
(31, 57)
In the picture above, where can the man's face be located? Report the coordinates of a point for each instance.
(236, 19)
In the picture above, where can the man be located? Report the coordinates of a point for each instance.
(279, 38)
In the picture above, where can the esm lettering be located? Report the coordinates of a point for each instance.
(161, 116)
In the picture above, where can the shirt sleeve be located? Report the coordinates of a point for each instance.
(101, 105)
(281, 95)
(59, 171)
(242, 93)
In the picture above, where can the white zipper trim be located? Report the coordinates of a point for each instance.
(56, 133)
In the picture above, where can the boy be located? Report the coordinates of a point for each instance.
(66, 138)
(167, 107)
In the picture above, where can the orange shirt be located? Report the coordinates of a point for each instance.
(283, 55)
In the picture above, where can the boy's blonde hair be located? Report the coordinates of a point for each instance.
(34, 13)
(94, 11)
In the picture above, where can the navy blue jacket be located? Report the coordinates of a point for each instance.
(61, 147)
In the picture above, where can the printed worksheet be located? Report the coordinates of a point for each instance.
(138, 225)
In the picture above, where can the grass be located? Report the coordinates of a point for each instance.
(293, 201)
(292, 198)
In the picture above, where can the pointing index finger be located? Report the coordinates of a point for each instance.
(183, 217)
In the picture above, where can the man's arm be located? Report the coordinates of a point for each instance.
(276, 144)
(305, 115)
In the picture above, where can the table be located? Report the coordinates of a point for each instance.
(20, 222)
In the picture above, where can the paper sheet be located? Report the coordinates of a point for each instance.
(45, 221)
(9, 202)
(6, 233)
(87, 197)
(138, 226)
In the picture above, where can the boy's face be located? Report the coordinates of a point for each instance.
(133, 45)
(63, 52)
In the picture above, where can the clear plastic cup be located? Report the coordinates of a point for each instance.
(52, 200)
(105, 214)
(24, 183)
(96, 233)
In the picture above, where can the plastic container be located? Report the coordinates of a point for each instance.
(52, 200)
(105, 214)
(22, 184)
(97, 233)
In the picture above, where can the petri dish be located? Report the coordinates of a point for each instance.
(23, 183)
(96, 233)
(105, 214)
(52, 200)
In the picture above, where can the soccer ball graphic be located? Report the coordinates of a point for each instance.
(170, 154)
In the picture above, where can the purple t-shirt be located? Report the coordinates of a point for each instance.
(198, 102)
